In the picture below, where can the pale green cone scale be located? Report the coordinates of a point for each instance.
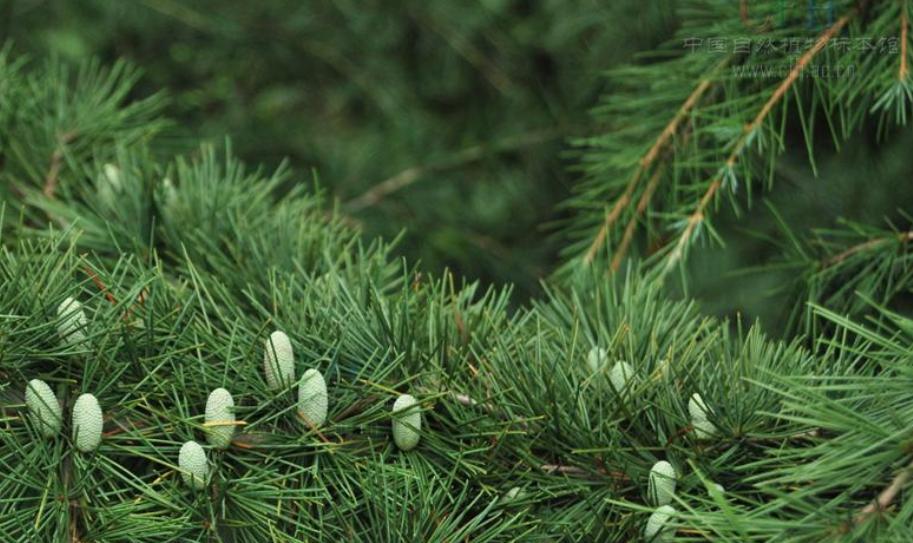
(662, 483)
(659, 528)
(220, 418)
(278, 361)
(700, 422)
(44, 409)
(407, 422)
(312, 398)
(597, 358)
(621, 375)
(193, 464)
(72, 321)
(87, 423)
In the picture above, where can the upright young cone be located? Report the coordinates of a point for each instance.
(662, 483)
(44, 409)
(193, 464)
(167, 200)
(220, 418)
(407, 422)
(109, 185)
(279, 361)
(659, 528)
(597, 358)
(700, 421)
(312, 398)
(72, 321)
(703, 428)
(697, 408)
(513, 495)
(620, 375)
(87, 423)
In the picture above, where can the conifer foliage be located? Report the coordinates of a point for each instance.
(700, 128)
(146, 394)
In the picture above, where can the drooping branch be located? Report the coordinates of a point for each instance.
(697, 216)
(647, 161)
(903, 237)
(619, 254)
(642, 204)
(412, 174)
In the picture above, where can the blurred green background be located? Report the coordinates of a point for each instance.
(450, 121)
(447, 120)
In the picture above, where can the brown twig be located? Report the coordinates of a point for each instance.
(468, 401)
(886, 496)
(746, 19)
(51, 178)
(697, 216)
(642, 204)
(314, 428)
(565, 470)
(683, 431)
(651, 156)
(470, 154)
(385, 187)
(622, 249)
(460, 324)
(743, 13)
(219, 423)
(644, 164)
(903, 237)
(575, 471)
(121, 426)
(471, 54)
(357, 407)
(99, 284)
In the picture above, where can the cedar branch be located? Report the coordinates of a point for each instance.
(903, 237)
(639, 211)
(697, 216)
(632, 223)
(412, 174)
(645, 162)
